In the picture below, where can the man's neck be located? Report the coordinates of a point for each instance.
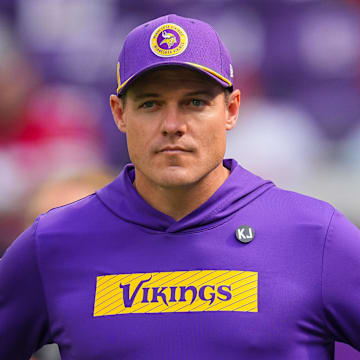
(179, 201)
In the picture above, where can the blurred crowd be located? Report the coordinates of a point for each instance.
(296, 62)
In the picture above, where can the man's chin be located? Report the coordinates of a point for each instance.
(175, 176)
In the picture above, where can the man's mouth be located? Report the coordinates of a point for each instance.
(173, 149)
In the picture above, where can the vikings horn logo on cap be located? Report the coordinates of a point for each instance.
(168, 40)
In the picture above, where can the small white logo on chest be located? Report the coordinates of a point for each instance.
(245, 234)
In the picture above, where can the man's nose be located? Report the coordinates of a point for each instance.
(173, 121)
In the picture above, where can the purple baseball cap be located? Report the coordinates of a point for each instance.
(174, 40)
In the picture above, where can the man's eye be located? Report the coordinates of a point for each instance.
(148, 104)
(197, 102)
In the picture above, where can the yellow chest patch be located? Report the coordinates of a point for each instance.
(176, 291)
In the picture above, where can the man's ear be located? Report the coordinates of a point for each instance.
(117, 109)
(233, 105)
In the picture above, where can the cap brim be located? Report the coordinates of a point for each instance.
(224, 82)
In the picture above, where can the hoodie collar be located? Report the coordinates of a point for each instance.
(240, 188)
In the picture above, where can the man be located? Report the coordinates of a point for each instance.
(185, 255)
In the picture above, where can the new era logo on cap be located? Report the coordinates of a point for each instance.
(173, 40)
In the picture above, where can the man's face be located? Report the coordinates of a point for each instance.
(175, 121)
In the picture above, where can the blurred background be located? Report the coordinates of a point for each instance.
(296, 62)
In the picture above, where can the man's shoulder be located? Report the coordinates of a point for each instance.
(296, 197)
(82, 204)
(279, 199)
(74, 215)
(297, 205)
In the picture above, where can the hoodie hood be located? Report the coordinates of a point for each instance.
(239, 189)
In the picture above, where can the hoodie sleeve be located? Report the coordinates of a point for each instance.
(24, 325)
(341, 281)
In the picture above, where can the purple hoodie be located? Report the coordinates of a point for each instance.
(109, 277)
